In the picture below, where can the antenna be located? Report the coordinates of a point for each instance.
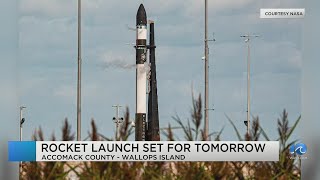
(209, 40)
(206, 59)
(131, 29)
(206, 71)
(79, 75)
(247, 40)
(21, 121)
(213, 39)
(117, 120)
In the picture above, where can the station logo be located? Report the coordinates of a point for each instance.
(299, 149)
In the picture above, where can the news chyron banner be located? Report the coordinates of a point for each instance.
(143, 151)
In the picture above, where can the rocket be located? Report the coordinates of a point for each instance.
(145, 130)
(141, 74)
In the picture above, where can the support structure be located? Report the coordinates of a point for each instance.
(153, 131)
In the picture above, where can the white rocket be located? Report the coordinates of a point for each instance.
(141, 74)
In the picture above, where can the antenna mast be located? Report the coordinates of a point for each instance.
(79, 75)
(247, 40)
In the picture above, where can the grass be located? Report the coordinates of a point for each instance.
(285, 168)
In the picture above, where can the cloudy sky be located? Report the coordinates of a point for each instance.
(47, 61)
(38, 64)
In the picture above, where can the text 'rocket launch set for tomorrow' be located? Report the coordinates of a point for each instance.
(145, 130)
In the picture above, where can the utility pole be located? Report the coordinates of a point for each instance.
(247, 40)
(79, 75)
(206, 74)
(117, 120)
(21, 121)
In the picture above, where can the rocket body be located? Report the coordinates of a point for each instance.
(141, 74)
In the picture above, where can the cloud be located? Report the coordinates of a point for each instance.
(48, 58)
(112, 60)
(65, 91)
(52, 9)
(91, 92)
(283, 56)
(196, 8)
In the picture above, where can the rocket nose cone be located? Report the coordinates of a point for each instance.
(141, 15)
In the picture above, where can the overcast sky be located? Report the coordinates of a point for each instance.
(44, 76)
(47, 62)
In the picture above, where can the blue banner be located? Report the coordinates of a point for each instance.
(22, 150)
